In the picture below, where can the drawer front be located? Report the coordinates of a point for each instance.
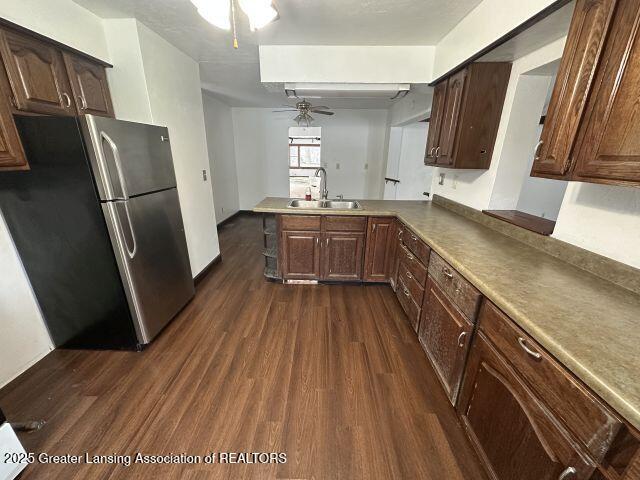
(415, 288)
(464, 295)
(584, 415)
(417, 269)
(331, 223)
(408, 305)
(420, 249)
(301, 222)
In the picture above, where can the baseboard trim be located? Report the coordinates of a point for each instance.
(234, 216)
(206, 270)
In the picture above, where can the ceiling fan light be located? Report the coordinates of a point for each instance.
(260, 12)
(215, 12)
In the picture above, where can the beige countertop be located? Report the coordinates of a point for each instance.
(590, 325)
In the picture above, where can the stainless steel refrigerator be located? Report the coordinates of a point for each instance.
(98, 227)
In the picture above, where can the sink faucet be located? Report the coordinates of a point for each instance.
(323, 182)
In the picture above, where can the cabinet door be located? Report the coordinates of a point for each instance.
(513, 433)
(37, 75)
(396, 240)
(301, 255)
(435, 122)
(587, 32)
(455, 96)
(445, 335)
(12, 155)
(89, 86)
(342, 256)
(377, 261)
(609, 143)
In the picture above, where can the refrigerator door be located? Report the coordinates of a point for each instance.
(148, 238)
(127, 158)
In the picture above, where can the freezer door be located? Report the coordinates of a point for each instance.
(127, 158)
(149, 242)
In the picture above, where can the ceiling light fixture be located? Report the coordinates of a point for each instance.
(221, 13)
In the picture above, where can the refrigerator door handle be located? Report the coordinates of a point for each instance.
(130, 251)
(116, 161)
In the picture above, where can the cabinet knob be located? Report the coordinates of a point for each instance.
(567, 473)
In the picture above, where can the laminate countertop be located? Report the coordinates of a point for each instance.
(590, 325)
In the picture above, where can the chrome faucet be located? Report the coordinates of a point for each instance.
(324, 193)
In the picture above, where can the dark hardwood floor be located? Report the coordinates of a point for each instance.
(331, 375)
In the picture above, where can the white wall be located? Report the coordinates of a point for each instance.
(62, 20)
(222, 158)
(602, 218)
(346, 64)
(155, 82)
(24, 338)
(489, 21)
(353, 152)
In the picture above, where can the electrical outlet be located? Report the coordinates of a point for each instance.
(441, 181)
(204, 175)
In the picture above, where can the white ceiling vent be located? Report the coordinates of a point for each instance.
(346, 90)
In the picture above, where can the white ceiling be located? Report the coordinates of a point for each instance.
(234, 74)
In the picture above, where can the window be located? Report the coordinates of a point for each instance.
(304, 159)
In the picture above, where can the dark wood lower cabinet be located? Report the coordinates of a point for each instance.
(514, 434)
(301, 255)
(342, 256)
(445, 336)
(377, 262)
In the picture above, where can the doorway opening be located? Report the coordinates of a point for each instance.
(304, 158)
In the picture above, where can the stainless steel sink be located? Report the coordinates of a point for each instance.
(325, 204)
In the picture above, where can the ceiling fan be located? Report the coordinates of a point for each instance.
(305, 109)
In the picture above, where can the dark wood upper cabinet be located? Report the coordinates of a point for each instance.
(586, 37)
(608, 147)
(12, 155)
(592, 128)
(465, 116)
(514, 434)
(37, 75)
(435, 122)
(301, 255)
(89, 86)
(342, 254)
(377, 262)
(445, 336)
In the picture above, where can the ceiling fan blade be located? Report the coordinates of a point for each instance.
(320, 107)
(323, 113)
(288, 110)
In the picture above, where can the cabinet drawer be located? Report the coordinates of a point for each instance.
(408, 305)
(415, 288)
(420, 249)
(464, 295)
(332, 223)
(417, 269)
(589, 420)
(301, 222)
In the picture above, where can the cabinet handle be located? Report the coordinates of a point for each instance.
(533, 353)
(437, 152)
(374, 227)
(409, 256)
(400, 234)
(414, 238)
(536, 150)
(431, 152)
(67, 99)
(406, 292)
(317, 240)
(327, 242)
(567, 473)
(83, 102)
(409, 275)
(461, 339)
(447, 272)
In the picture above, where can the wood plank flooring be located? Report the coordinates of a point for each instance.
(331, 375)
